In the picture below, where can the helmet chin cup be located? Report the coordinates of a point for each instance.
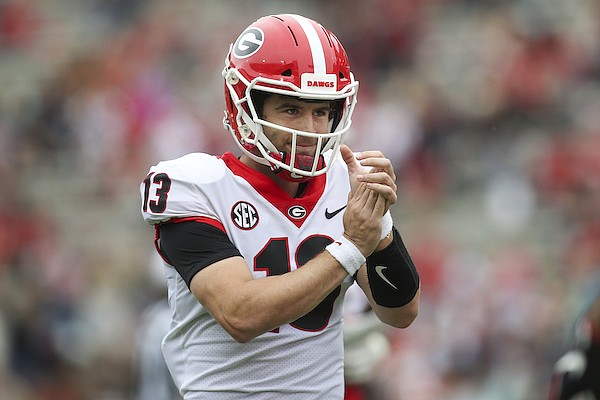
(300, 171)
(291, 176)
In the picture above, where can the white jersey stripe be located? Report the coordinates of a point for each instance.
(316, 48)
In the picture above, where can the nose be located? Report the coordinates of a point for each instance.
(313, 123)
(308, 123)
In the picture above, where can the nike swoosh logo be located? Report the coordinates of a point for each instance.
(379, 269)
(332, 214)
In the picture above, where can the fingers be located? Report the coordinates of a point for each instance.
(381, 177)
(370, 154)
(349, 159)
(381, 207)
(378, 163)
(354, 167)
(381, 184)
(362, 218)
(373, 204)
(377, 204)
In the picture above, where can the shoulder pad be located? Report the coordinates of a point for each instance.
(173, 188)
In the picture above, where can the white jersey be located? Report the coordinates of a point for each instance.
(275, 233)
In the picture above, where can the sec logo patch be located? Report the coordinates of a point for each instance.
(244, 215)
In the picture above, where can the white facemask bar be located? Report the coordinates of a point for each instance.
(252, 125)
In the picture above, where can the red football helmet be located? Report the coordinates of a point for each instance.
(295, 56)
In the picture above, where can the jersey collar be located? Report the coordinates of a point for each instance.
(268, 189)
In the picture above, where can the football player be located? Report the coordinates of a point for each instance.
(577, 373)
(260, 248)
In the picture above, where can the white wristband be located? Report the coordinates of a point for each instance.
(387, 223)
(347, 254)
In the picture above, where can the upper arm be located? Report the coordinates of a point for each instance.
(191, 246)
(209, 263)
(218, 284)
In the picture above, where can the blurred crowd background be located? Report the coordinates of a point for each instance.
(489, 109)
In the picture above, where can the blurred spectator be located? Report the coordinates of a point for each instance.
(576, 372)
(152, 377)
(19, 23)
(365, 346)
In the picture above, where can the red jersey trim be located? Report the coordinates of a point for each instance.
(267, 188)
(205, 220)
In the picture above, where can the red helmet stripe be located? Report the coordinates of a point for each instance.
(316, 48)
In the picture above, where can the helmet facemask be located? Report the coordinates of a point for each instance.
(252, 140)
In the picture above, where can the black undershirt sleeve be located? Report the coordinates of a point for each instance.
(191, 246)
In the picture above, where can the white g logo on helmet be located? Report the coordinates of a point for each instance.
(248, 43)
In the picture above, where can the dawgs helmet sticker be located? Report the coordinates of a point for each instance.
(248, 43)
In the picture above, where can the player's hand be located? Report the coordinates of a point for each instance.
(380, 177)
(362, 218)
(354, 167)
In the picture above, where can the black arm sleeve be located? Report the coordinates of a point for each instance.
(191, 246)
(393, 278)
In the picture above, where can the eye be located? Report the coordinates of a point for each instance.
(291, 111)
(324, 112)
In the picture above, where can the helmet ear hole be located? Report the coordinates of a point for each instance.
(337, 112)
(258, 99)
(287, 72)
(229, 105)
